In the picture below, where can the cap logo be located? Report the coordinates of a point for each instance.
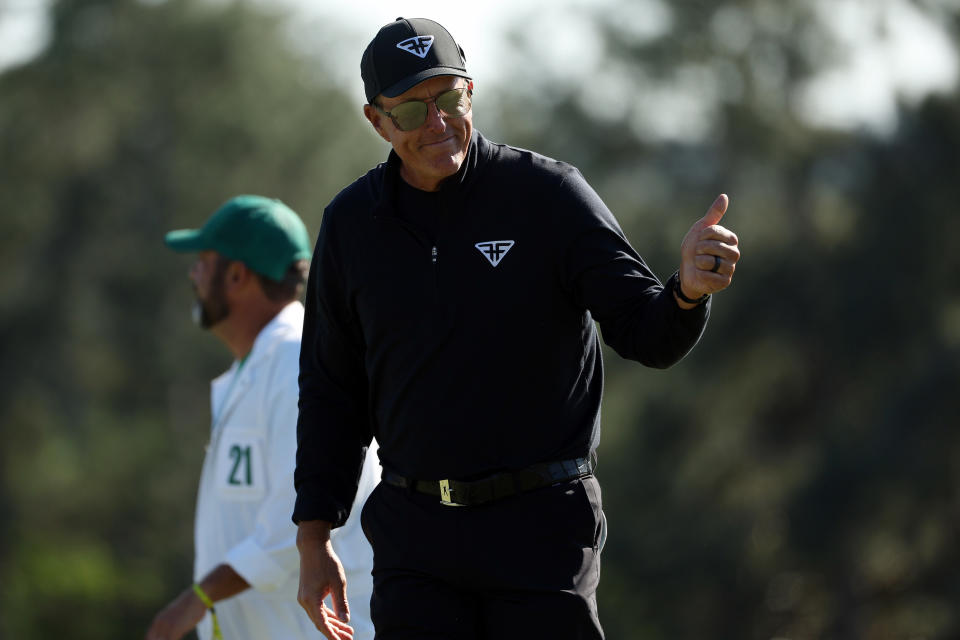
(417, 45)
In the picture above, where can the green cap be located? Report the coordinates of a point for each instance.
(264, 234)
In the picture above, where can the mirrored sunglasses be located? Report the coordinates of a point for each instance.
(410, 115)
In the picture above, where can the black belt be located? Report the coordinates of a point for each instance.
(459, 493)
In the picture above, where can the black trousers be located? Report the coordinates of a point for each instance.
(522, 567)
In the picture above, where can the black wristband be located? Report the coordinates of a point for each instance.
(679, 291)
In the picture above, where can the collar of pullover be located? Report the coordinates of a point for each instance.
(454, 187)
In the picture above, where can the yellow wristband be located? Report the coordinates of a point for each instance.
(208, 603)
(204, 598)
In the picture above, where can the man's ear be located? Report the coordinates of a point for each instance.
(375, 118)
(237, 275)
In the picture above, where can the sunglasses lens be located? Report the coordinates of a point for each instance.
(455, 102)
(409, 115)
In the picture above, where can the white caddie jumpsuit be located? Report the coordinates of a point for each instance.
(246, 496)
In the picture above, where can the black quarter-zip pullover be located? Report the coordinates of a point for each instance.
(470, 348)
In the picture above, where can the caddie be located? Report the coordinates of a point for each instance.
(251, 263)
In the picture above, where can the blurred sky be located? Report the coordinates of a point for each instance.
(894, 49)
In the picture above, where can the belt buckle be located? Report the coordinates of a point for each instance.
(446, 497)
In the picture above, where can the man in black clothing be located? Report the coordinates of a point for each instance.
(451, 313)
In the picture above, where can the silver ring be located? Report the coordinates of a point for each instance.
(716, 264)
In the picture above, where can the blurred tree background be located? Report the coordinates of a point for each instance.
(790, 479)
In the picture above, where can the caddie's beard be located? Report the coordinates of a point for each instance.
(207, 313)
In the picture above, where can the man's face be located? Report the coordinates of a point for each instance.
(208, 275)
(435, 150)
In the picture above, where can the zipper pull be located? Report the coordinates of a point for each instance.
(433, 255)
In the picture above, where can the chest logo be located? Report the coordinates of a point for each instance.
(494, 250)
(417, 45)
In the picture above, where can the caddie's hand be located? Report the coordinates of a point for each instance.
(177, 618)
(321, 574)
(708, 254)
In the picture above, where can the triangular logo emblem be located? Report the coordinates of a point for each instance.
(494, 250)
(417, 45)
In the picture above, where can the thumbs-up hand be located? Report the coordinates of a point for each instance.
(708, 254)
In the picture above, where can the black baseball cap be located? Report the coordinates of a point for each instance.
(406, 52)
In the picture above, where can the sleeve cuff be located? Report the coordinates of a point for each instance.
(701, 309)
(313, 504)
(256, 566)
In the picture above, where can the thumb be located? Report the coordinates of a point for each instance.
(338, 598)
(716, 211)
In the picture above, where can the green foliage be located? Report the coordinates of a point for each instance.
(138, 119)
(793, 477)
